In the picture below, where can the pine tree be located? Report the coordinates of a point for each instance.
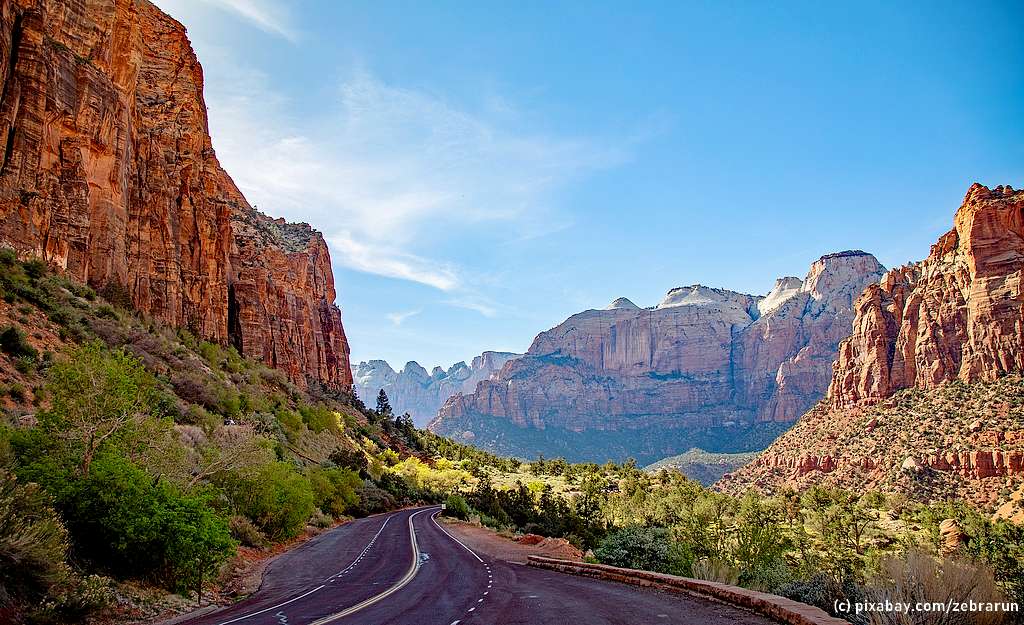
(384, 411)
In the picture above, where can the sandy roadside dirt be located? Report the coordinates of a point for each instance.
(486, 540)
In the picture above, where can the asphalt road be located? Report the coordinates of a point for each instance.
(405, 569)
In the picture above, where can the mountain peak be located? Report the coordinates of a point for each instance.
(622, 303)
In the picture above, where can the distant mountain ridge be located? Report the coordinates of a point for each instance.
(706, 367)
(419, 393)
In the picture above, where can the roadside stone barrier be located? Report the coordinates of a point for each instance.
(774, 607)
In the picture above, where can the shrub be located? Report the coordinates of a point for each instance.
(319, 418)
(455, 506)
(334, 489)
(14, 343)
(33, 542)
(320, 519)
(647, 548)
(124, 521)
(373, 500)
(243, 530)
(918, 577)
(275, 497)
(73, 600)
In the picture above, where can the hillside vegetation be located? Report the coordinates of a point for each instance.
(133, 451)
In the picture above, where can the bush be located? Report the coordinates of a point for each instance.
(320, 418)
(124, 521)
(14, 343)
(373, 500)
(918, 577)
(456, 507)
(334, 489)
(33, 542)
(243, 530)
(275, 497)
(646, 548)
(320, 519)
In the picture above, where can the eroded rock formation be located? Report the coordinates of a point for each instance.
(702, 359)
(419, 393)
(950, 331)
(958, 314)
(108, 172)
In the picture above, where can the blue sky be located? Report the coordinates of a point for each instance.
(483, 170)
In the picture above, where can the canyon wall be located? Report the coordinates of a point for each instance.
(419, 393)
(108, 173)
(958, 314)
(702, 360)
(948, 330)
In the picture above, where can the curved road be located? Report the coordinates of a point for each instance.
(403, 568)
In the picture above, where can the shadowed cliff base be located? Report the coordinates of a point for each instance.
(645, 445)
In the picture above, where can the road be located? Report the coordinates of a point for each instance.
(404, 568)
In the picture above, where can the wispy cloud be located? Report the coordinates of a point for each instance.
(398, 318)
(393, 264)
(386, 172)
(267, 15)
(475, 303)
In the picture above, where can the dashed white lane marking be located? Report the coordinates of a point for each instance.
(414, 568)
(455, 623)
(470, 610)
(321, 586)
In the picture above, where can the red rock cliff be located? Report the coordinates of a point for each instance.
(958, 314)
(109, 173)
(696, 369)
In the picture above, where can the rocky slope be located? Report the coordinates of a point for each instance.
(705, 368)
(419, 393)
(108, 172)
(947, 330)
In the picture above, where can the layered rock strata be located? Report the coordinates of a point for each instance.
(701, 359)
(108, 172)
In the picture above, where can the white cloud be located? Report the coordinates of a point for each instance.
(267, 15)
(368, 258)
(398, 317)
(386, 172)
(474, 303)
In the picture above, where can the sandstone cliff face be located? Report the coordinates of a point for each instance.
(108, 172)
(947, 331)
(419, 393)
(959, 314)
(703, 358)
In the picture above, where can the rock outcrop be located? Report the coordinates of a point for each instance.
(701, 360)
(108, 173)
(958, 314)
(926, 397)
(419, 393)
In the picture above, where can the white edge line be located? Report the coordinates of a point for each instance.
(274, 607)
(402, 583)
(306, 594)
(434, 519)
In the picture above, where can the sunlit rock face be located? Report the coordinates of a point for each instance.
(950, 327)
(419, 393)
(702, 358)
(958, 314)
(108, 172)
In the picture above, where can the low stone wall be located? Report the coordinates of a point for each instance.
(773, 606)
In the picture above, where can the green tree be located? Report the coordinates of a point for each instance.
(99, 399)
(384, 411)
(274, 496)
